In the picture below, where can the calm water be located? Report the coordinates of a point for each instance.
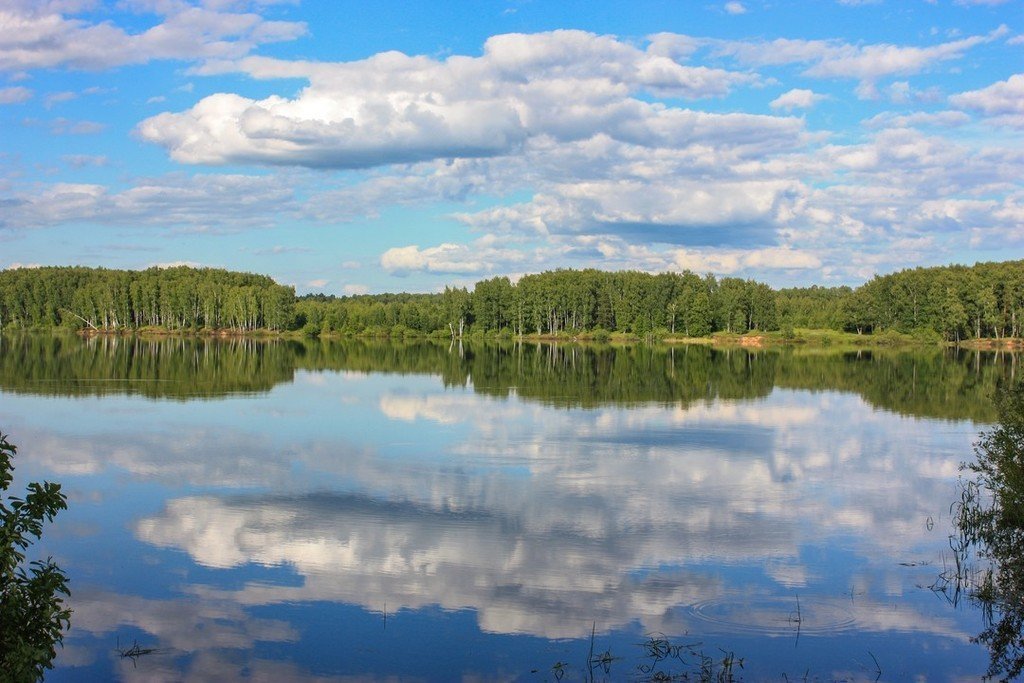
(311, 510)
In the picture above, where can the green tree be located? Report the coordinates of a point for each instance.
(954, 315)
(457, 304)
(698, 316)
(33, 616)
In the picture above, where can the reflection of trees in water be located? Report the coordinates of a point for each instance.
(990, 524)
(924, 382)
(178, 367)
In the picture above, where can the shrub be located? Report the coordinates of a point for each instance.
(32, 612)
(926, 335)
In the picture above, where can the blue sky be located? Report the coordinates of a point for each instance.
(367, 147)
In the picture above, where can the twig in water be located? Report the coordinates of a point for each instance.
(796, 618)
(134, 652)
(877, 665)
(590, 655)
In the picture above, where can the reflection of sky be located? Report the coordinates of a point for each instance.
(199, 527)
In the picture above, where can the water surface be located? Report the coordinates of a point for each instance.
(292, 510)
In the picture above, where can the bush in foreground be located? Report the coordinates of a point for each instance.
(33, 616)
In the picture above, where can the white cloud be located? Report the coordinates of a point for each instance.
(175, 264)
(46, 35)
(57, 97)
(677, 211)
(734, 8)
(729, 262)
(200, 202)
(1003, 101)
(390, 108)
(870, 62)
(901, 92)
(448, 258)
(15, 95)
(797, 98)
(946, 119)
(836, 59)
(317, 284)
(354, 289)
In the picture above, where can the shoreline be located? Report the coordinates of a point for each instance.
(809, 338)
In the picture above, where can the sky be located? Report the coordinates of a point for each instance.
(366, 147)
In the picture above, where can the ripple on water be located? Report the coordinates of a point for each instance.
(775, 615)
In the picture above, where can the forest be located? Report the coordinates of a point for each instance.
(572, 302)
(180, 298)
(953, 303)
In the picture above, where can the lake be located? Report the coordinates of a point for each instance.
(432, 511)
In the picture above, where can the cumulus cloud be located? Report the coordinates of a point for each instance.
(680, 212)
(1003, 102)
(797, 98)
(48, 35)
(448, 258)
(231, 129)
(390, 108)
(734, 8)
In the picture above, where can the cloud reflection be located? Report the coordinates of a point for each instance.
(606, 515)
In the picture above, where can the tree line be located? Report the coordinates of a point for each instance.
(556, 303)
(951, 302)
(180, 298)
(958, 302)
